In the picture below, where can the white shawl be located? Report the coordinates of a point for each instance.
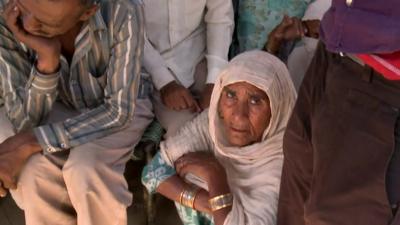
(253, 171)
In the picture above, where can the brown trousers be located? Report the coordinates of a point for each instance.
(337, 146)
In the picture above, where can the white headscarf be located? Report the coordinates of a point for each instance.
(254, 171)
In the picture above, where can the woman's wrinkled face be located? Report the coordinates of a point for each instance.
(245, 112)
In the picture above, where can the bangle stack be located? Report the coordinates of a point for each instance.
(220, 202)
(188, 196)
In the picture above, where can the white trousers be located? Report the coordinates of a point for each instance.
(172, 120)
(84, 186)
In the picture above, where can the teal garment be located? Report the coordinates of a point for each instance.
(257, 18)
(156, 172)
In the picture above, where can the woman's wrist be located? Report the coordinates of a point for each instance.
(201, 202)
(220, 202)
(188, 196)
(218, 185)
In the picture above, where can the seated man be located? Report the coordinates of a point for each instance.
(187, 46)
(66, 160)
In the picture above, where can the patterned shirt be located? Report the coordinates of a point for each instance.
(101, 82)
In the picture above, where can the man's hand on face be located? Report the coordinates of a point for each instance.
(177, 97)
(14, 152)
(48, 49)
(206, 96)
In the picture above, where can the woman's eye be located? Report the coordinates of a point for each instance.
(255, 101)
(230, 94)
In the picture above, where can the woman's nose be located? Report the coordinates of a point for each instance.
(241, 111)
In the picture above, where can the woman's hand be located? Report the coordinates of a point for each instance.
(203, 165)
(206, 167)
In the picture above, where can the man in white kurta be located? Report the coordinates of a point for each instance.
(187, 46)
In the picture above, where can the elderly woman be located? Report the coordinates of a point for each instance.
(229, 159)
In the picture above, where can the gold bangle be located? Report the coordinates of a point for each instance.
(221, 207)
(220, 202)
(194, 197)
(181, 196)
(188, 196)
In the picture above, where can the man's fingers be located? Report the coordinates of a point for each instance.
(172, 103)
(191, 102)
(175, 102)
(280, 30)
(295, 31)
(299, 28)
(286, 23)
(12, 21)
(11, 185)
(311, 28)
(15, 26)
(195, 107)
(3, 191)
(8, 181)
(182, 102)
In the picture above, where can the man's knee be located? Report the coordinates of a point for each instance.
(78, 172)
(91, 169)
(28, 180)
(91, 180)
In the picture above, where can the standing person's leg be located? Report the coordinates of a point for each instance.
(297, 147)
(94, 172)
(338, 144)
(172, 120)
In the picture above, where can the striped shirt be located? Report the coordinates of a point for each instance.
(101, 82)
